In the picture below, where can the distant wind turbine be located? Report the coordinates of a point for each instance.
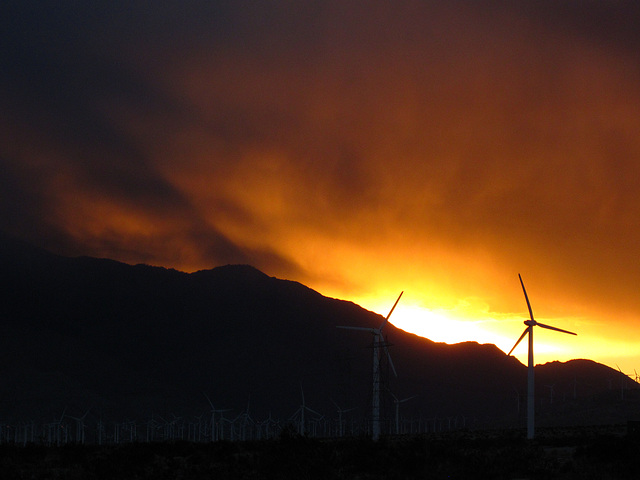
(551, 387)
(530, 377)
(214, 426)
(299, 414)
(378, 343)
(397, 403)
(245, 422)
(80, 437)
(340, 412)
(517, 400)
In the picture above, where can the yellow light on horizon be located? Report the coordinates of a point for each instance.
(434, 310)
(442, 325)
(470, 322)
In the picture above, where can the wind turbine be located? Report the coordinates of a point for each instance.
(340, 412)
(80, 427)
(57, 426)
(530, 378)
(378, 343)
(517, 400)
(214, 427)
(245, 422)
(551, 387)
(299, 414)
(397, 404)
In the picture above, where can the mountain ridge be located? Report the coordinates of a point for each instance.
(125, 340)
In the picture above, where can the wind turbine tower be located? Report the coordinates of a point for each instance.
(300, 414)
(340, 429)
(378, 344)
(530, 376)
(214, 425)
(397, 403)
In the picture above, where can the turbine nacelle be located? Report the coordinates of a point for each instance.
(531, 322)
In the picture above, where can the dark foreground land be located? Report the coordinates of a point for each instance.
(582, 455)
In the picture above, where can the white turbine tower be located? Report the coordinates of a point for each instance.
(530, 378)
(397, 403)
(299, 414)
(378, 343)
(340, 412)
(80, 437)
(214, 426)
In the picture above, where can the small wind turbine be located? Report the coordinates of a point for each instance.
(378, 342)
(530, 377)
(551, 387)
(299, 414)
(246, 422)
(517, 400)
(59, 426)
(340, 412)
(214, 426)
(80, 437)
(397, 404)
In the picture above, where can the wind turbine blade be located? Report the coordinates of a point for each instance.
(554, 328)
(526, 330)
(312, 411)
(390, 312)
(294, 415)
(394, 305)
(407, 399)
(209, 400)
(526, 298)
(393, 368)
(366, 329)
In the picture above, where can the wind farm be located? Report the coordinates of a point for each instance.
(270, 345)
(272, 363)
(195, 194)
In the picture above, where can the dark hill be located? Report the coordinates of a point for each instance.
(132, 341)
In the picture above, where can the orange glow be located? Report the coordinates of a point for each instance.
(429, 147)
(469, 322)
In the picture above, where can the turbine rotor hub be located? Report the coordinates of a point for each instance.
(530, 323)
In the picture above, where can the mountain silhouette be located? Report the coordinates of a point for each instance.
(130, 341)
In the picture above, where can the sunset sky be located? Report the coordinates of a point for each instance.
(359, 147)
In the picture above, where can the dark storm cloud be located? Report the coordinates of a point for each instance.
(65, 71)
(611, 24)
(58, 84)
(21, 206)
